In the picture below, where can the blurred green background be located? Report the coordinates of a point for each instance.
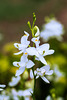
(14, 15)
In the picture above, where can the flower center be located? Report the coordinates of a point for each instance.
(36, 40)
(25, 35)
(25, 53)
(17, 45)
(43, 71)
(18, 65)
(43, 52)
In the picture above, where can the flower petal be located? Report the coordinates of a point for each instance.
(48, 52)
(2, 85)
(29, 64)
(47, 67)
(15, 81)
(42, 48)
(37, 77)
(45, 79)
(1, 89)
(18, 52)
(31, 74)
(41, 58)
(20, 71)
(36, 41)
(32, 51)
(16, 64)
(49, 72)
(24, 38)
(24, 58)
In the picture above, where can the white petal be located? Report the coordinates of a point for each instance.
(32, 51)
(29, 64)
(1, 89)
(16, 63)
(35, 72)
(45, 79)
(31, 74)
(48, 52)
(49, 72)
(42, 48)
(2, 85)
(20, 71)
(24, 38)
(37, 77)
(20, 46)
(36, 41)
(27, 98)
(18, 53)
(47, 67)
(26, 33)
(24, 58)
(36, 58)
(41, 58)
(16, 45)
(14, 81)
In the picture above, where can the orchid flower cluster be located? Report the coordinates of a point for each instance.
(37, 51)
(52, 29)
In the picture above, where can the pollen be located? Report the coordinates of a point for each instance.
(25, 53)
(17, 64)
(17, 45)
(25, 35)
(36, 40)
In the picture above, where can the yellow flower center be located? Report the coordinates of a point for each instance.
(25, 35)
(25, 53)
(36, 40)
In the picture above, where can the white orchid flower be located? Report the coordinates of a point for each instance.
(15, 81)
(52, 29)
(24, 63)
(26, 93)
(2, 86)
(40, 51)
(23, 45)
(41, 72)
(4, 97)
(36, 41)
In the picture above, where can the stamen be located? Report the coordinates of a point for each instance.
(17, 64)
(25, 35)
(25, 53)
(43, 52)
(17, 45)
(36, 40)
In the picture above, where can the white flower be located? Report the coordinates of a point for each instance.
(40, 51)
(15, 81)
(24, 63)
(4, 97)
(23, 45)
(52, 29)
(15, 94)
(36, 41)
(48, 97)
(25, 92)
(42, 72)
(58, 73)
(2, 86)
